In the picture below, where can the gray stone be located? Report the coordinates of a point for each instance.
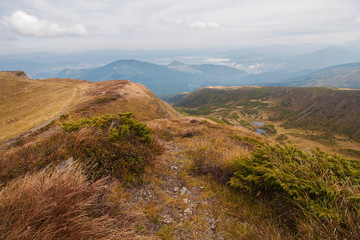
(185, 200)
(176, 189)
(183, 190)
(64, 164)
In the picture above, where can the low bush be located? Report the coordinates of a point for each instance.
(313, 190)
(111, 144)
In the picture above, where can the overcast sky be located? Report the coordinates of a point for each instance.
(80, 25)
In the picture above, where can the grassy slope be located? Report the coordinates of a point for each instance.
(25, 103)
(320, 109)
(184, 194)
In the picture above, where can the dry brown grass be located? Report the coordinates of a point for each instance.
(26, 103)
(204, 151)
(62, 205)
(122, 96)
(211, 147)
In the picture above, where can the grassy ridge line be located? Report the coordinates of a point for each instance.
(27, 105)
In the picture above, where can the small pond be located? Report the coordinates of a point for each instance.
(258, 123)
(259, 130)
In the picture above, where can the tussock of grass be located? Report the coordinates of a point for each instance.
(60, 205)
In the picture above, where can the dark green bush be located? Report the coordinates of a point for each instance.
(313, 185)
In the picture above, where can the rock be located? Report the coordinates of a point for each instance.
(167, 219)
(188, 211)
(176, 189)
(64, 164)
(185, 200)
(183, 190)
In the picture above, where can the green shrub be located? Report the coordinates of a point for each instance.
(121, 122)
(111, 144)
(314, 186)
(102, 100)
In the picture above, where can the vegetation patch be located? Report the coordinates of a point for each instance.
(111, 144)
(105, 99)
(315, 188)
(270, 129)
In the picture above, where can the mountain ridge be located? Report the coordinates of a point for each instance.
(161, 79)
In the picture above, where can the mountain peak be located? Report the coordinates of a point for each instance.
(176, 63)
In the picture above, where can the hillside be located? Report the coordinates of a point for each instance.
(26, 103)
(99, 173)
(161, 79)
(324, 110)
(340, 76)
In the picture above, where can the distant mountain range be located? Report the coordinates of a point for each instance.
(162, 79)
(174, 71)
(179, 77)
(340, 76)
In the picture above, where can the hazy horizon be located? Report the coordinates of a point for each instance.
(64, 26)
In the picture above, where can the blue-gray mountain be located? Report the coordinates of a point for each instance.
(340, 76)
(162, 79)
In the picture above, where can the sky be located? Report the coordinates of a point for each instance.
(82, 25)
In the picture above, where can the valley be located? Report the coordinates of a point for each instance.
(308, 117)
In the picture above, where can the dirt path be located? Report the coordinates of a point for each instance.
(5, 143)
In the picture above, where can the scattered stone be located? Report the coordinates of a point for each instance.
(183, 190)
(185, 200)
(188, 211)
(176, 189)
(167, 219)
(202, 188)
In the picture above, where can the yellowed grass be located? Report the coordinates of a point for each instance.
(26, 103)
(63, 205)
(297, 137)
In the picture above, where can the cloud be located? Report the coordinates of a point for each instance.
(217, 60)
(28, 25)
(200, 24)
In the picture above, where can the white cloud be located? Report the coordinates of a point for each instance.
(155, 24)
(217, 60)
(200, 24)
(28, 25)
